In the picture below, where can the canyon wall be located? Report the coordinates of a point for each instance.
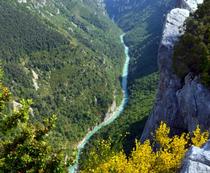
(182, 105)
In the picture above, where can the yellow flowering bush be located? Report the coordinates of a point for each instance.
(166, 158)
(117, 163)
(142, 158)
(199, 138)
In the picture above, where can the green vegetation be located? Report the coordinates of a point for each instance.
(129, 126)
(75, 52)
(143, 22)
(67, 57)
(192, 52)
(126, 128)
(144, 30)
(25, 145)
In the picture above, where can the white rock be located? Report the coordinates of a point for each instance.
(35, 75)
(197, 160)
(182, 107)
(34, 79)
(17, 106)
(22, 1)
(175, 21)
(58, 11)
(191, 5)
(174, 26)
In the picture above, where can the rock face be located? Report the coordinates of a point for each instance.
(190, 5)
(22, 1)
(173, 27)
(197, 160)
(37, 3)
(182, 106)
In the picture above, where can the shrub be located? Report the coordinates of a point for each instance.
(166, 157)
(25, 145)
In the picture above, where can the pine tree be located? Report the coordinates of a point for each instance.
(25, 145)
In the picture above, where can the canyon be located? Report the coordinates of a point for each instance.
(67, 56)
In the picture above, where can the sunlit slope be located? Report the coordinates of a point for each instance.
(64, 55)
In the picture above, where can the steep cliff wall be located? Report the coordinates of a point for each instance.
(182, 106)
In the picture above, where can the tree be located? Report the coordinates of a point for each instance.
(24, 145)
(192, 51)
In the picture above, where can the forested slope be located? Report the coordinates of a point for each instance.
(143, 23)
(64, 55)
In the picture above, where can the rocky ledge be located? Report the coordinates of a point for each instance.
(197, 160)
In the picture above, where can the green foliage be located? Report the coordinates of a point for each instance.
(144, 31)
(132, 120)
(129, 126)
(143, 22)
(76, 54)
(104, 150)
(192, 52)
(30, 34)
(25, 145)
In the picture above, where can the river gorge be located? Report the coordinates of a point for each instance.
(115, 114)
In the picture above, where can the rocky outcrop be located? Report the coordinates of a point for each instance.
(22, 1)
(174, 26)
(182, 106)
(35, 79)
(190, 5)
(35, 2)
(197, 160)
(101, 5)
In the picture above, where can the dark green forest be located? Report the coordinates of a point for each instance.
(192, 52)
(143, 23)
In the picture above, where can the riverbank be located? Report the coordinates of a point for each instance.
(114, 115)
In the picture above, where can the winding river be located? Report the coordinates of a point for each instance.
(115, 114)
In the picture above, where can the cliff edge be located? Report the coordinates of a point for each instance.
(181, 105)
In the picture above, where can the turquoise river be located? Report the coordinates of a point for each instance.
(115, 114)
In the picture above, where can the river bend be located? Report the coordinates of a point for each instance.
(115, 114)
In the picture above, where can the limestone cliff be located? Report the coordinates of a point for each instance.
(182, 106)
(197, 160)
